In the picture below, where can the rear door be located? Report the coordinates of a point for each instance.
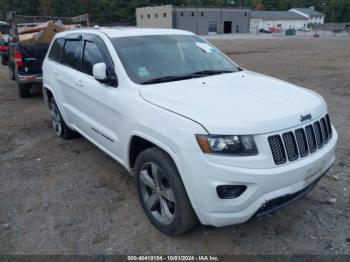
(67, 78)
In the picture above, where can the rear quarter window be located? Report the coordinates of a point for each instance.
(56, 49)
(71, 55)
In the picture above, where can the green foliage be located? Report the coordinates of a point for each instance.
(111, 11)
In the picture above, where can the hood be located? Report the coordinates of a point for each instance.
(237, 103)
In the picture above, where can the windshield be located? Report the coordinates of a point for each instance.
(164, 58)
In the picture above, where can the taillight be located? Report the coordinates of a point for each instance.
(3, 48)
(18, 58)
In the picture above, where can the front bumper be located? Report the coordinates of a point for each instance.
(263, 184)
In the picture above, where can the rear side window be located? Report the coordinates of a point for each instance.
(56, 49)
(92, 56)
(71, 55)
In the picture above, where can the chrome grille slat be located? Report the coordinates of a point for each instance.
(301, 142)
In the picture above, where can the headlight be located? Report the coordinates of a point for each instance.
(227, 145)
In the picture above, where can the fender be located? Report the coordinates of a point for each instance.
(173, 156)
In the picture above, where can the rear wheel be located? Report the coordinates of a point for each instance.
(58, 124)
(23, 90)
(3, 60)
(162, 193)
(11, 72)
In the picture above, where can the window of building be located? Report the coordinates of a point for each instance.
(212, 28)
(156, 15)
(202, 14)
(92, 56)
(164, 14)
(192, 13)
(71, 55)
(245, 13)
(279, 25)
(182, 13)
(148, 16)
(141, 16)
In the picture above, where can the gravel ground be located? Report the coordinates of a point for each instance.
(68, 197)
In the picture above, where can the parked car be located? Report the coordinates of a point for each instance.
(347, 28)
(265, 31)
(204, 138)
(275, 29)
(304, 29)
(4, 30)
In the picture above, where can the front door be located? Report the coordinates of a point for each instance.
(98, 102)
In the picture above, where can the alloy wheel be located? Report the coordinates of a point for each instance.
(157, 193)
(56, 119)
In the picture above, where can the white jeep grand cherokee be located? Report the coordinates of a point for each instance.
(204, 138)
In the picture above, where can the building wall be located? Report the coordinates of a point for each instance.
(200, 20)
(316, 20)
(158, 16)
(255, 25)
(311, 19)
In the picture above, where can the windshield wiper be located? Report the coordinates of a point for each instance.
(211, 72)
(166, 79)
(186, 76)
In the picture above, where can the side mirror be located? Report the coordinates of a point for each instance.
(104, 75)
(99, 71)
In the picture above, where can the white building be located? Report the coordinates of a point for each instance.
(313, 16)
(276, 19)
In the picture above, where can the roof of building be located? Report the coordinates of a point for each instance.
(309, 11)
(277, 15)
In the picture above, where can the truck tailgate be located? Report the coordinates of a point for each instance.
(32, 58)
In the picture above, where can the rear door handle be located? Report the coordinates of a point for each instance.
(79, 82)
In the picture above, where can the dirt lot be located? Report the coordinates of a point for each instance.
(68, 197)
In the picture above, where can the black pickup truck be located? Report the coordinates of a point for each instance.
(25, 60)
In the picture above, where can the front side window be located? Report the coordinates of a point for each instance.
(92, 55)
(71, 55)
(152, 57)
(56, 49)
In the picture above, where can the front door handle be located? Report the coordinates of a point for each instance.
(55, 72)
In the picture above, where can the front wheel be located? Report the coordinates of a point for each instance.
(162, 193)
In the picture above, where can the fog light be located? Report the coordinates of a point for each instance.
(230, 191)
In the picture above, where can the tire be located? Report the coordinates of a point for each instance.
(58, 123)
(11, 72)
(164, 200)
(23, 90)
(3, 60)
